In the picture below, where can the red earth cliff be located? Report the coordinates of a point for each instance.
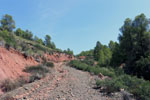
(13, 62)
(58, 57)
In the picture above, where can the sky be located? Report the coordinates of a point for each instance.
(74, 24)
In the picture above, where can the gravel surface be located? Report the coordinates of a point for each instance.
(63, 83)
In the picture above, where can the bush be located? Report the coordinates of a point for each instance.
(29, 52)
(37, 72)
(8, 97)
(8, 37)
(92, 69)
(139, 87)
(35, 77)
(36, 69)
(88, 61)
(49, 64)
(9, 85)
(40, 47)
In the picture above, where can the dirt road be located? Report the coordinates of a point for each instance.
(63, 83)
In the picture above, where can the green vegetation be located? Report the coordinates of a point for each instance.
(119, 80)
(48, 42)
(36, 69)
(92, 69)
(138, 87)
(88, 61)
(102, 54)
(7, 23)
(49, 64)
(68, 51)
(8, 39)
(86, 53)
(23, 41)
(131, 56)
(134, 46)
(9, 85)
(39, 71)
(132, 52)
(24, 34)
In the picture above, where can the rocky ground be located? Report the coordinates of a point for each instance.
(63, 83)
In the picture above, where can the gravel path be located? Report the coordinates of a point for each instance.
(63, 83)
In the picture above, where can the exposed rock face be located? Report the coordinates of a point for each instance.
(101, 76)
(58, 57)
(12, 63)
(82, 57)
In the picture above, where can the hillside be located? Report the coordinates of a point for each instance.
(32, 68)
(13, 62)
(19, 50)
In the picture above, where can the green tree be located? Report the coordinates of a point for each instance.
(105, 55)
(112, 45)
(8, 38)
(38, 40)
(101, 58)
(134, 43)
(117, 56)
(88, 53)
(19, 32)
(96, 50)
(68, 51)
(27, 35)
(47, 41)
(7, 23)
(102, 54)
(53, 46)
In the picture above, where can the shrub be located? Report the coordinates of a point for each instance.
(19, 48)
(9, 85)
(37, 72)
(35, 77)
(88, 61)
(29, 52)
(139, 87)
(8, 37)
(36, 69)
(8, 97)
(92, 69)
(40, 47)
(49, 64)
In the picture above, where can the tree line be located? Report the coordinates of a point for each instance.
(8, 24)
(133, 50)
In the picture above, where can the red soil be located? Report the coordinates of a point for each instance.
(12, 63)
(82, 57)
(58, 57)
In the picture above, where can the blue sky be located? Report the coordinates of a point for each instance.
(74, 24)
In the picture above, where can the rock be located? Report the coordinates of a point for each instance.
(26, 88)
(38, 60)
(2, 43)
(100, 75)
(127, 95)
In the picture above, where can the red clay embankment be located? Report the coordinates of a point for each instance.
(12, 63)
